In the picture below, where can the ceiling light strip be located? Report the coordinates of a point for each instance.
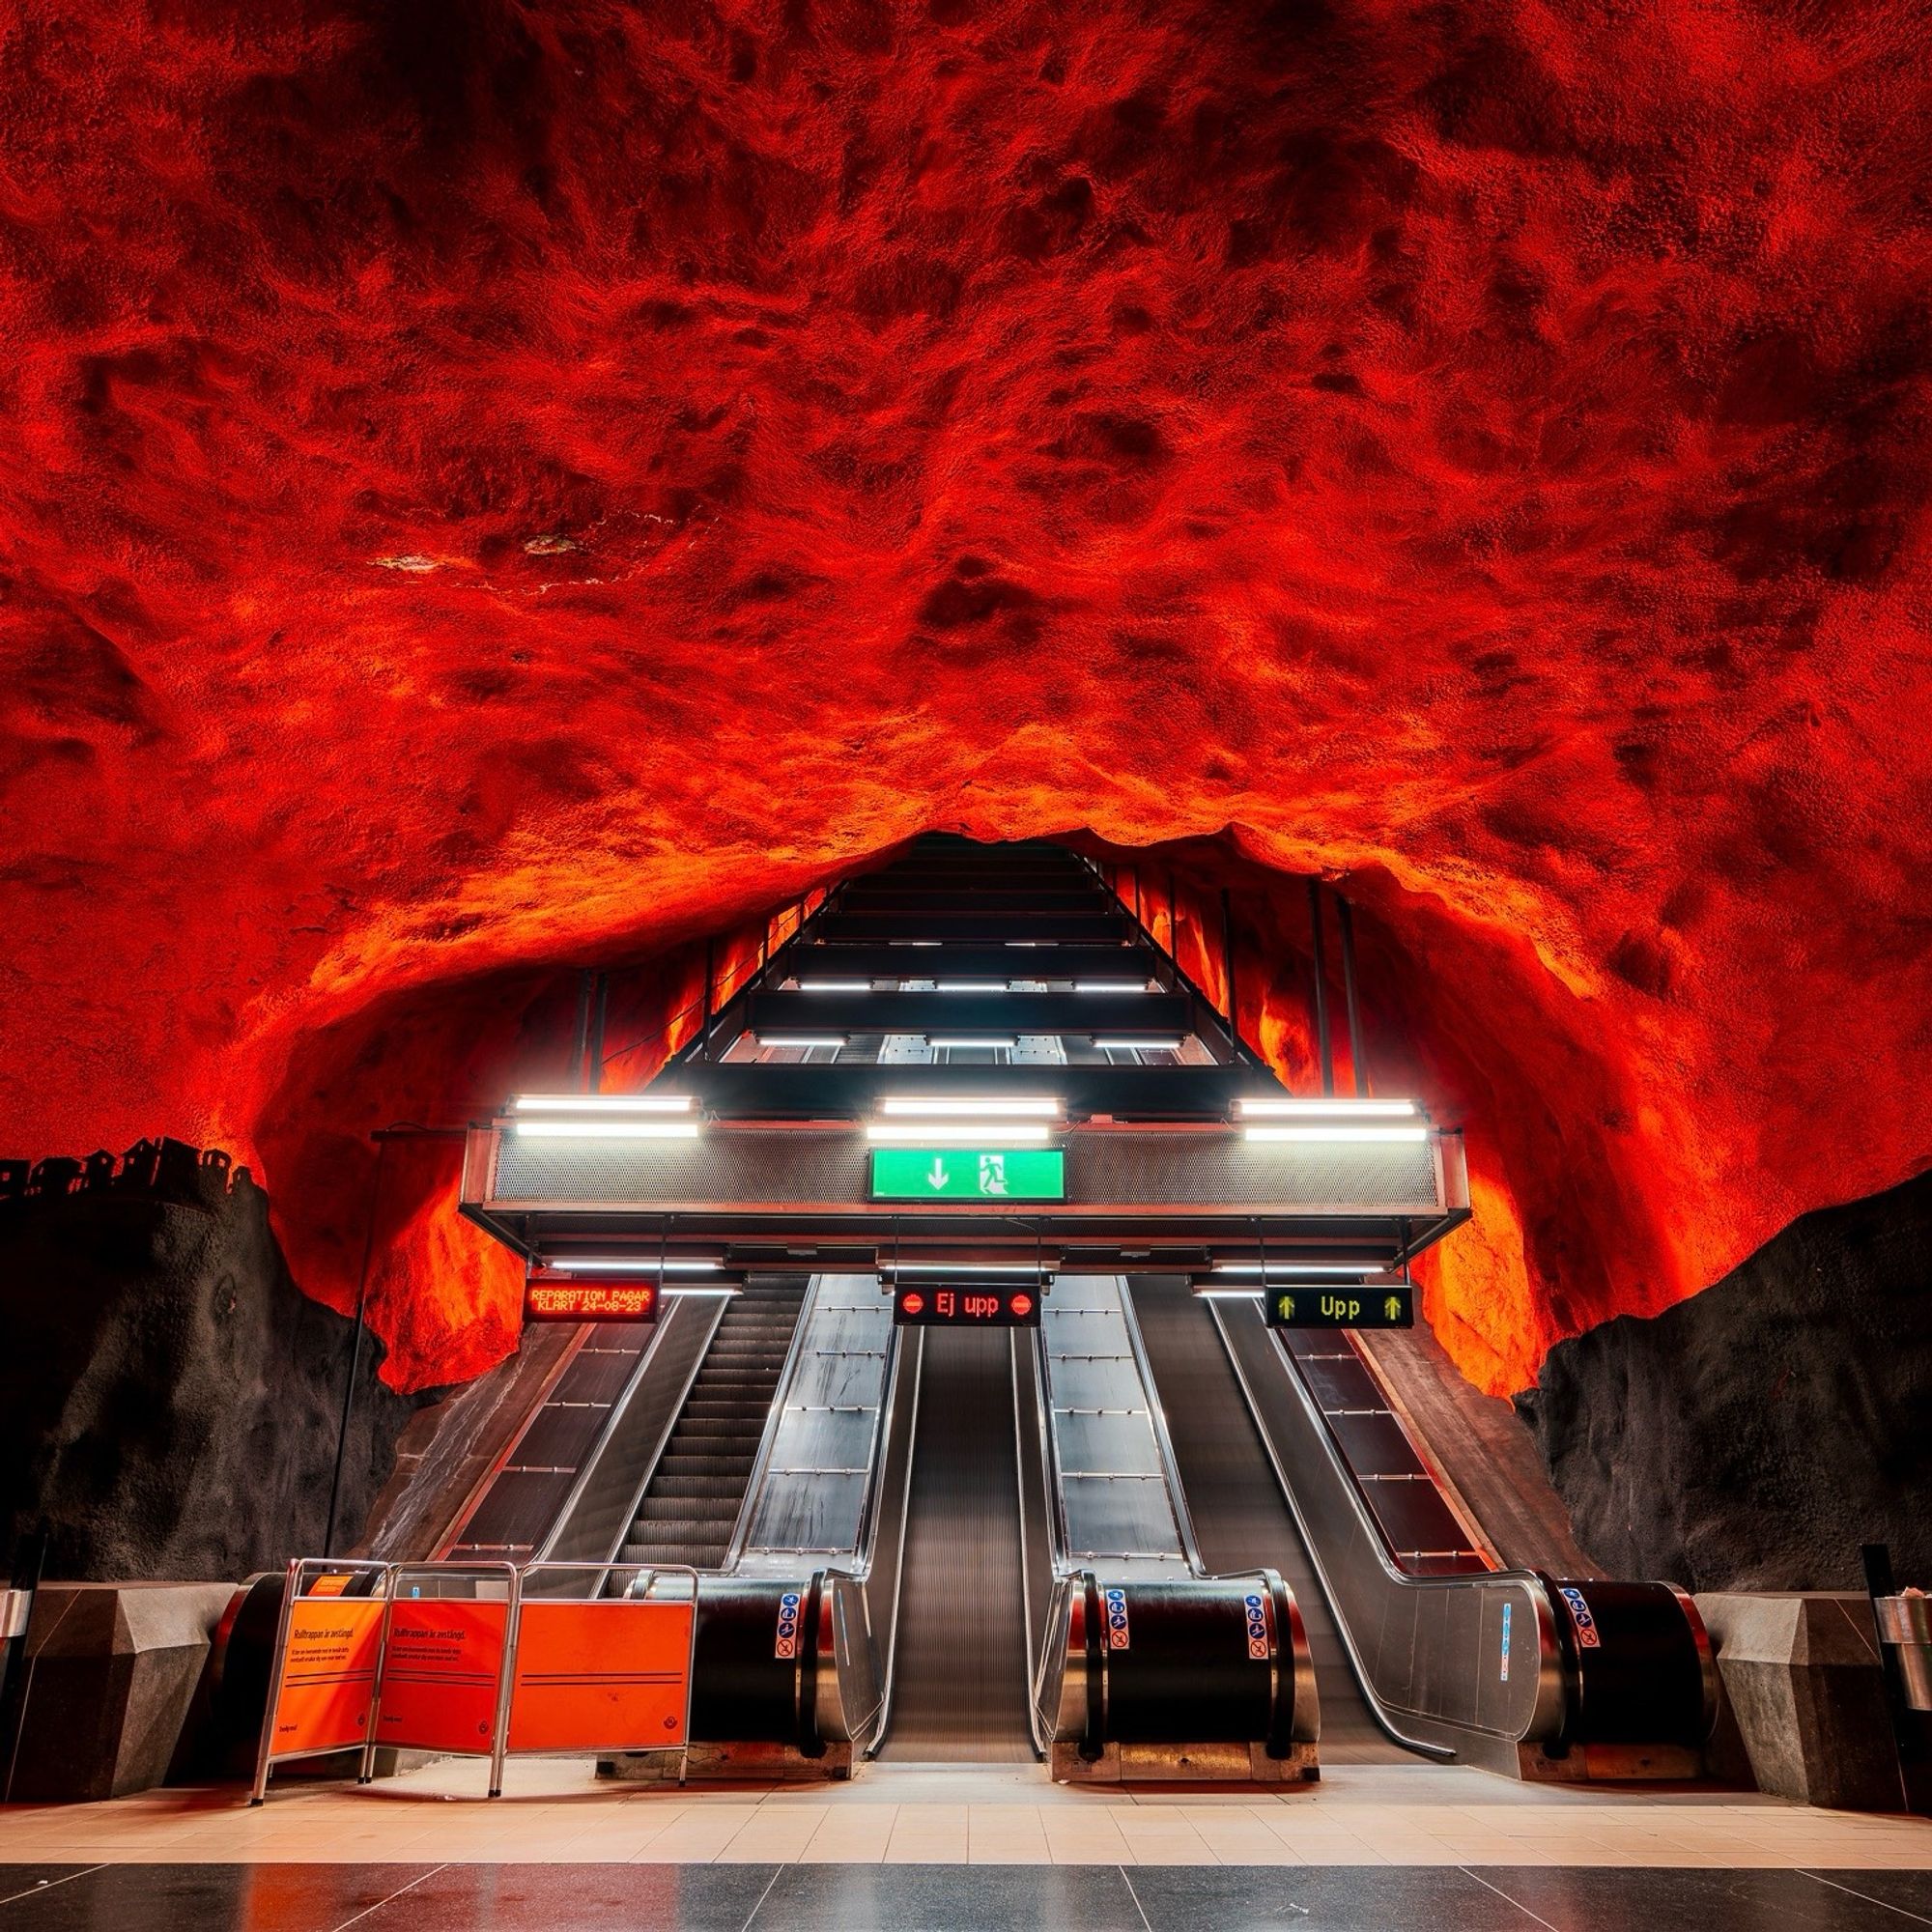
(602, 1104)
(1256, 1107)
(1016, 1106)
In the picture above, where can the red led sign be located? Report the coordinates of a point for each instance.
(967, 1307)
(591, 1301)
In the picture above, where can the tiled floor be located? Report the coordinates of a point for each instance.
(1441, 1849)
(555, 1810)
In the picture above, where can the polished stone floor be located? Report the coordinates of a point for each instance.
(1434, 1848)
(952, 1898)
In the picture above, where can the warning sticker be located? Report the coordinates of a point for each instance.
(787, 1643)
(1117, 1619)
(1579, 1615)
(1506, 1640)
(1256, 1606)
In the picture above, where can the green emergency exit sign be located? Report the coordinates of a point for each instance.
(969, 1174)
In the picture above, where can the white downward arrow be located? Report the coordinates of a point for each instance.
(938, 1176)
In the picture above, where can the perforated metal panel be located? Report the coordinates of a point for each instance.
(728, 1171)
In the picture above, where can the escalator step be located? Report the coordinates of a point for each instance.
(685, 1529)
(698, 1487)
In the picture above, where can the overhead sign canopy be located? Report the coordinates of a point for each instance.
(968, 1174)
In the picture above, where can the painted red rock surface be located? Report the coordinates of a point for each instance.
(486, 489)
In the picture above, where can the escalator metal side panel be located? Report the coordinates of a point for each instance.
(881, 1566)
(1118, 1502)
(754, 1486)
(1463, 1667)
(818, 1463)
(596, 1514)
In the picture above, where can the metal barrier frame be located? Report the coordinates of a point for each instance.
(482, 1572)
(300, 1566)
(388, 1581)
(650, 1572)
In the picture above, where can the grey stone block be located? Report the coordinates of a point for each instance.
(112, 1673)
(1802, 1679)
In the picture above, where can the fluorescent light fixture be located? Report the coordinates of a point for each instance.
(1337, 1134)
(1273, 1270)
(678, 1291)
(965, 1133)
(1336, 1112)
(1110, 985)
(1040, 1106)
(835, 985)
(1228, 1294)
(803, 1039)
(1018, 945)
(1031, 1271)
(608, 1129)
(629, 1265)
(602, 1104)
(912, 942)
(1154, 1045)
(971, 986)
(948, 1039)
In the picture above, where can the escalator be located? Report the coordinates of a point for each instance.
(1134, 1546)
(1241, 1519)
(691, 1504)
(1511, 1669)
(960, 1693)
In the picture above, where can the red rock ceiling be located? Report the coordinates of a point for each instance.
(485, 487)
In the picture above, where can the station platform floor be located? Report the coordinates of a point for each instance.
(942, 1847)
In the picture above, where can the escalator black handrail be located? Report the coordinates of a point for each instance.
(1544, 1721)
(1177, 1495)
(1041, 1625)
(896, 1391)
(1292, 1666)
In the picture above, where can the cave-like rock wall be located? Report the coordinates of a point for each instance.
(1754, 1437)
(489, 490)
(169, 1401)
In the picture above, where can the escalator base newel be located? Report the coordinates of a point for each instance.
(1183, 1764)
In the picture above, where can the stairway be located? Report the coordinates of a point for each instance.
(692, 1506)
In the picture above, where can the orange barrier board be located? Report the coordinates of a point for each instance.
(328, 1675)
(613, 1675)
(442, 1674)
